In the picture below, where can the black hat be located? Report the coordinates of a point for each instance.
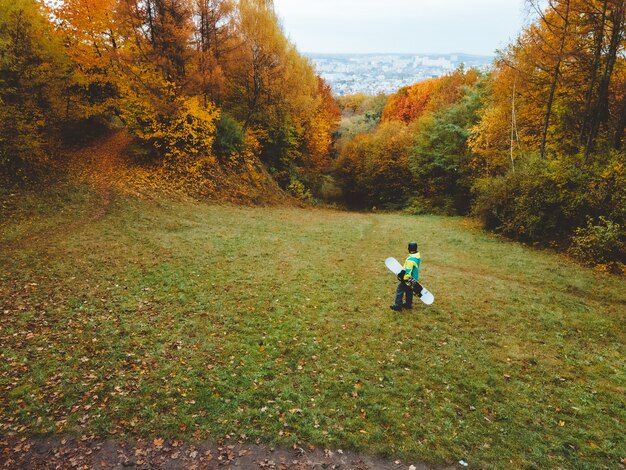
(412, 247)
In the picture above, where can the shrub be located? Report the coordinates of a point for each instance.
(602, 242)
(606, 190)
(299, 191)
(176, 128)
(540, 201)
(565, 202)
(418, 205)
(229, 138)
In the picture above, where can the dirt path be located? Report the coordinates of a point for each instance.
(90, 453)
(98, 165)
(95, 165)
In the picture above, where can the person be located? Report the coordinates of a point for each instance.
(411, 270)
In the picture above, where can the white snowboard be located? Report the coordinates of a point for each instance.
(423, 293)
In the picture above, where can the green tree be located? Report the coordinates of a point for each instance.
(441, 160)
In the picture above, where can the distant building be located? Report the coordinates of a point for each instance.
(375, 73)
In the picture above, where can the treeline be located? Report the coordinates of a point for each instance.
(535, 147)
(190, 79)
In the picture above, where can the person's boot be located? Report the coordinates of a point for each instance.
(395, 308)
(407, 306)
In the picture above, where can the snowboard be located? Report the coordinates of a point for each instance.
(418, 289)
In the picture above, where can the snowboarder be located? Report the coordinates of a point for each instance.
(411, 270)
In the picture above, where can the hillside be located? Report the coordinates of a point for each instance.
(130, 316)
(107, 165)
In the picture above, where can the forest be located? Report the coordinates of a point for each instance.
(197, 84)
(533, 147)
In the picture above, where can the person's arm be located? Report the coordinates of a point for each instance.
(408, 269)
(411, 267)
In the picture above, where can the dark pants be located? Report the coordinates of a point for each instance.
(401, 291)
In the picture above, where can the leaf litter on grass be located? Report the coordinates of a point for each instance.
(162, 322)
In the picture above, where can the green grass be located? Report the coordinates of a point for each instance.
(179, 319)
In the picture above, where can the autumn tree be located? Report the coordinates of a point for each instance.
(373, 169)
(553, 34)
(215, 38)
(258, 63)
(496, 141)
(409, 103)
(92, 39)
(620, 100)
(412, 102)
(319, 129)
(419, 150)
(168, 29)
(188, 78)
(34, 71)
(608, 25)
(562, 68)
(556, 107)
(276, 96)
(149, 68)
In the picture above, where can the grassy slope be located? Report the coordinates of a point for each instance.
(174, 318)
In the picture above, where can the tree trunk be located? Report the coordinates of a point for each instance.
(601, 114)
(555, 80)
(620, 127)
(593, 75)
(150, 21)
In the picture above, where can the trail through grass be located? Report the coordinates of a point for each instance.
(175, 318)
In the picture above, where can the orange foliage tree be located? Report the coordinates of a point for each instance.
(319, 130)
(561, 79)
(148, 61)
(412, 102)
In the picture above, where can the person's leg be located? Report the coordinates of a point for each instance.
(409, 297)
(399, 294)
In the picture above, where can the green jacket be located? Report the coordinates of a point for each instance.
(412, 266)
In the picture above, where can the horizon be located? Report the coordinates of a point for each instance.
(400, 53)
(374, 73)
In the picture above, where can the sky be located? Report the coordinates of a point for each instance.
(401, 26)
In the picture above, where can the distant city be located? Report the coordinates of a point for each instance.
(386, 73)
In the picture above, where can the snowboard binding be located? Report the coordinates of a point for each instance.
(415, 286)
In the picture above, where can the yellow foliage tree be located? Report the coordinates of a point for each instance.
(33, 73)
(92, 40)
